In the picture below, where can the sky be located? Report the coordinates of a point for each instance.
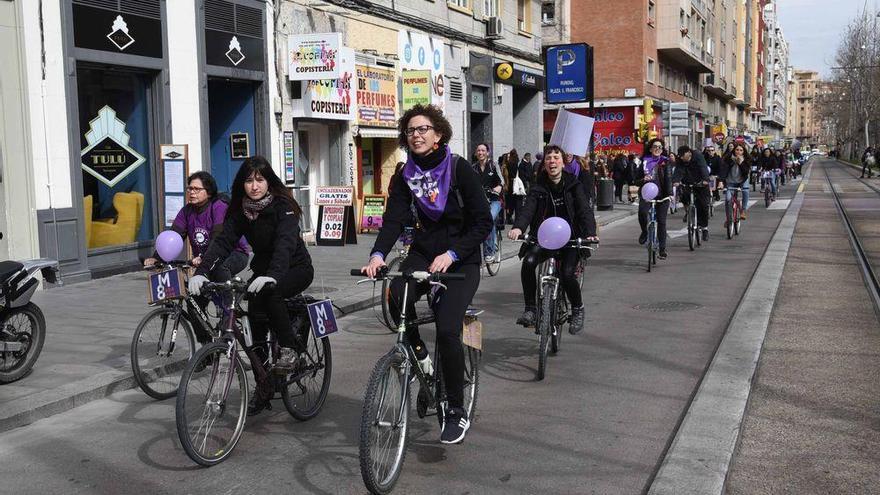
(813, 29)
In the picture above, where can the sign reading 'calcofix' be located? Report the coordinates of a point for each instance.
(313, 56)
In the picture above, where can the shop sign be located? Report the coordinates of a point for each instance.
(108, 157)
(376, 96)
(332, 99)
(372, 211)
(506, 73)
(416, 88)
(568, 70)
(614, 130)
(113, 31)
(332, 218)
(239, 145)
(314, 56)
(334, 196)
(234, 51)
(418, 51)
(289, 166)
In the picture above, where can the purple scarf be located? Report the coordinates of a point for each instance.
(651, 163)
(573, 168)
(430, 187)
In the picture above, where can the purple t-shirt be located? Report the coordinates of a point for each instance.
(198, 226)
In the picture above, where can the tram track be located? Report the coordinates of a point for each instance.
(872, 284)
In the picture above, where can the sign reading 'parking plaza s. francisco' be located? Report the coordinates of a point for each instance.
(568, 73)
(108, 157)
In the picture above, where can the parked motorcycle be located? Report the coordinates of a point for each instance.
(22, 324)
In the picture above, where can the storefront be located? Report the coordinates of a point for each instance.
(518, 109)
(377, 114)
(614, 130)
(479, 78)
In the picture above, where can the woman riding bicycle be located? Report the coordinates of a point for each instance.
(555, 193)
(263, 211)
(654, 169)
(734, 171)
(200, 221)
(693, 172)
(767, 164)
(491, 183)
(454, 219)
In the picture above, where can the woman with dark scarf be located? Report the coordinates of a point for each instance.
(453, 220)
(654, 169)
(263, 211)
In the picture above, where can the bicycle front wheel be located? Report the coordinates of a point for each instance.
(472, 359)
(160, 348)
(494, 266)
(545, 328)
(212, 405)
(650, 243)
(558, 319)
(305, 390)
(384, 424)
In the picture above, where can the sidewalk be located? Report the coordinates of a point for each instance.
(90, 325)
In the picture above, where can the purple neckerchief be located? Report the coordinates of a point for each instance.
(430, 187)
(653, 162)
(574, 168)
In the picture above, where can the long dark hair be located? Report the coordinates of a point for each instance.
(260, 166)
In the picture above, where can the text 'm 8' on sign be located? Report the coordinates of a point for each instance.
(568, 72)
(167, 284)
(322, 318)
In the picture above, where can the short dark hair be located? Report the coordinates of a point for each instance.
(651, 143)
(434, 114)
(208, 182)
(684, 149)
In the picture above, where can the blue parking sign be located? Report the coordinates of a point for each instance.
(568, 73)
(322, 318)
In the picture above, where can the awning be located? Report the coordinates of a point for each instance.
(377, 132)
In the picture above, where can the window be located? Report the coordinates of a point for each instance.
(524, 15)
(722, 70)
(548, 13)
(652, 12)
(651, 69)
(459, 4)
(490, 8)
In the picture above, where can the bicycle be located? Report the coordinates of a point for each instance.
(712, 185)
(653, 243)
(212, 403)
(493, 266)
(385, 416)
(693, 231)
(553, 310)
(767, 187)
(733, 208)
(159, 353)
(423, 317)
(673, 204)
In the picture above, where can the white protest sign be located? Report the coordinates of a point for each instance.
(572, 132)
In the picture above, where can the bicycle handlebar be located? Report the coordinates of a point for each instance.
(421, 276)
(574, 243)
(235, 285)
(667, 198)
(159, 265)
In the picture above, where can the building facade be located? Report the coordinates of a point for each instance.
(774, 119)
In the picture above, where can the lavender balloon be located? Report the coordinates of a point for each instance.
(649, 191)
(553, 233)
(169, 244)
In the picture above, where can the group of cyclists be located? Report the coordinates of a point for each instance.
(451, 204)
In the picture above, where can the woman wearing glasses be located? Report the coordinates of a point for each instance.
(201, 220)
(453, 220)
(654, 169)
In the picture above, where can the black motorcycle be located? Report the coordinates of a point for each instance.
(22, 325)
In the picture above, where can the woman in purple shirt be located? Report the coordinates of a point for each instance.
(202, 220)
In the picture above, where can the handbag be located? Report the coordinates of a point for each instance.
(519, 188)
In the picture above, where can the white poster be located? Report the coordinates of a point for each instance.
(173, 204)
(572, 132)
(418, 51)
(174, 179)
(331, 98)
(313, 56)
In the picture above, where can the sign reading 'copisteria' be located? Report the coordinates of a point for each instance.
(108, 157)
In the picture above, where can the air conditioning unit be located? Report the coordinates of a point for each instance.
(494, 28)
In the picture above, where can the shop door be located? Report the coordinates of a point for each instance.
(367, 176)
(230, 112)
(115, 124)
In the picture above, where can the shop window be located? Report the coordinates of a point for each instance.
(115, 115)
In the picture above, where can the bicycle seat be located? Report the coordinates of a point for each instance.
(473, 312)
(8, 268)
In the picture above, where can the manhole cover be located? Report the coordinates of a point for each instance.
(667, 306)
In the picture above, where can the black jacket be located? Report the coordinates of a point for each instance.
(714, 162)
(526, 173)
(489, 179)
(767, 162)
(274, 236)
(692, 173)
(462, 231)
(619, 169)
(538, 206)
(662, 177)
(727, 162)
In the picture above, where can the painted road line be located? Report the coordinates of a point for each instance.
(779, 204)
(698, 460)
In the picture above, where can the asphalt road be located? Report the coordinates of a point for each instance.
(599, 423)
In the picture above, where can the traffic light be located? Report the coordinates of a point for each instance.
(645, 120)
(648, 110)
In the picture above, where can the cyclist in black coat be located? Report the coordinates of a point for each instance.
(654, 168)
(555, 193)
(453, 219)
(693, 172)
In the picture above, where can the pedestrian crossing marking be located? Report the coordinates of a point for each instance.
(779, 204)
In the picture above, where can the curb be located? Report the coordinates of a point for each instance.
(27, 410)
(700, 455)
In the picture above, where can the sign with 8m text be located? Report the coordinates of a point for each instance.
(322, 318)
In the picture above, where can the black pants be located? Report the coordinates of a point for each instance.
(269, 310)
(234, 263)
(449, 309)
(618, 190)
(509, 207)
(701, 194)
(568, 260)
(866, 168)
(662, 209)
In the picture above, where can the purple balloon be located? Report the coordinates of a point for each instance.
(553, 233)
(649, 191)
(169, 244)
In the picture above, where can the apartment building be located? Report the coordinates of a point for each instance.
(806, 123)
(774, 119)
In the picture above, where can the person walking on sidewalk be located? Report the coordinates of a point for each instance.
(869, 159)
(454, 219)
(618, 171)
(491, 184)
(509, 171)
(694, 173)
(556, 193)
(735, 170)
(264, 212)
(654, 169)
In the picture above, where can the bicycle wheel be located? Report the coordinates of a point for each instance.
(691, 232)
(393, 265)
(384, 424)
(160, 348)
(211, 405)
(545, 328)
(305, 390)
(737, 221)
(767, 196)
(494, 266)
(650, 243)
(558, 320)
(472, 359)
(731, 216)
(24, 325)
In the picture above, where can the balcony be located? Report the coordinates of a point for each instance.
(716, 86)
(685, 51)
